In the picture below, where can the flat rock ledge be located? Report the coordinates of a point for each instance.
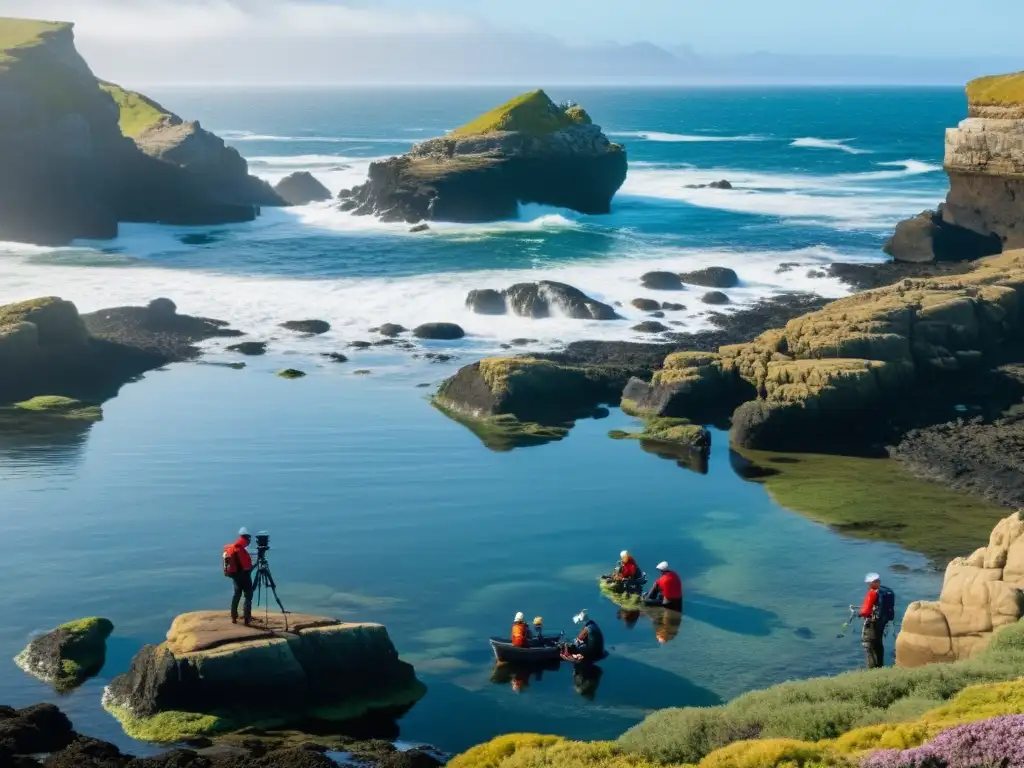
(211, 676)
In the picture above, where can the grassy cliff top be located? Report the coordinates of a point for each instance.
(532, 112)
(20, 34)
(138, 113)
(996, 90)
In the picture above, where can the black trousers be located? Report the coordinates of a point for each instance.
(871, 639)
(243, 586)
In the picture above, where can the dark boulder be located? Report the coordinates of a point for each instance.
(69, 655)
(928, 237)
(251, 348)
(360, 344)
(721, 184)
(442, 331)
(662, 281)
(658, 314)
(302, 188)
(162, 309)
(309, 327)
(672, 307)
(335, 357)
(486, 301)
(646, 305)
(391, 330)
(546, 297)
(650, 326)
(36, 729)
(712, 277)
(420, 228)
(715, 297)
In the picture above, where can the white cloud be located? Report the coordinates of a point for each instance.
(176, 20)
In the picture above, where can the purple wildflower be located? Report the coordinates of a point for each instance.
(994, 743)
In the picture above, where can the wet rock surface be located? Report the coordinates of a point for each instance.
(662, 281)
(302, 188)
(711, 277)
(308, 327)
(441, 331)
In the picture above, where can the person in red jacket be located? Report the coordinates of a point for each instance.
(242, 578)
(628, 569)
(871, 636)
(667, 591)
(520, 631)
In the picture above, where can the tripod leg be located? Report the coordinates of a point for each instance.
(273, 589)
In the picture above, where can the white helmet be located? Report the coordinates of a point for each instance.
(663, 565)
(623, 555)
(519, 617)
(872, 577)
(580, 617)
(243, 532)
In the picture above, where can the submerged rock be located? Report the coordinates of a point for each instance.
(662, 281)
(69, 655)
(442, 331)
(529, 150)
(302, 188)
(980, 594)
(712, 277)
(251, 348)
(335, 357)
(317, 666)
(310, 327)
(391, 330)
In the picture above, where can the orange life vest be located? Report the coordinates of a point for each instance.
(520, 634)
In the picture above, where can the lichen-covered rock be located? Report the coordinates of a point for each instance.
(984, 158)
(547, 297)
(232, 674)
(689, 385)
(678, 432)
(69, 655)
(712, 277)
(529, 150)
(980, 594)
(302, 188)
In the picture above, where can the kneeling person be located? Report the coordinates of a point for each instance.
(667, 591)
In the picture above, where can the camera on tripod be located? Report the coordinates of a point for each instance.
(262, 542)
(263, 580)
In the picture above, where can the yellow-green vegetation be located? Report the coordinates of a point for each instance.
(618, 597)
(827, 721)
(17, 35)
(291, 373)
(532, 112)
(666, 430)
(997, 90)
(62, 407)
(876, 499)
(138, 113)
(167, 727)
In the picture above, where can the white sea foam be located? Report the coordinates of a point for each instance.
(257, 304)
(844, 201)
(682, 137)
(250, 136)
(812, 142)
(336, 172)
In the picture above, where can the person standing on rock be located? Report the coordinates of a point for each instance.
(877, 610)
(238, 567)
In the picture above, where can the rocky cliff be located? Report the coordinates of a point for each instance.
(984, 158)
(68, 170)
(529, 150)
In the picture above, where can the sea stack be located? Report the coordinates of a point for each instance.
(528, 150)
(984, 210)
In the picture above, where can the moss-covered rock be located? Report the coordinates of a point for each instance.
(678, 432)
(69, 655)
(694, 385)
(533, 112)
(211, 676)
(291, 373)
(62, 407)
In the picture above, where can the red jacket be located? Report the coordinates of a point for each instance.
(629, 569)
(520, 634)
(244, 559)
(868, 606)
(670, 585)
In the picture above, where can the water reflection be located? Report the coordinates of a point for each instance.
(684, 456)
(586, 677)
(666, 623)
(34, 443)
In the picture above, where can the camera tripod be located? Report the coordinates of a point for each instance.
(264, 580)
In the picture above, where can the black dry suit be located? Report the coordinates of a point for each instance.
(590, 641)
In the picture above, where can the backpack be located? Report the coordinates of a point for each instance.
(886, 606)
(230, 560)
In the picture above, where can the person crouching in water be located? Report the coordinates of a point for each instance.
(520, 631)
(589, 643)
(667, 591)
(238, 565)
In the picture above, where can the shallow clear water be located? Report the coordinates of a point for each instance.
(381, 509)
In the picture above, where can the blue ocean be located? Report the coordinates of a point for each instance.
(382, 509)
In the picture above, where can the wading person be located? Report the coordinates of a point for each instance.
(238, 567)
(877, 610)
(667, 591)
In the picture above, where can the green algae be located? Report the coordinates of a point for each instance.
(167, 727)
(81, 645)
(875, 499)
(62, 407)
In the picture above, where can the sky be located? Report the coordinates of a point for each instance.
(319, 41)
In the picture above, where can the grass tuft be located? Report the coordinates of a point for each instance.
(138, 113)
(532, 112)
(997, 90)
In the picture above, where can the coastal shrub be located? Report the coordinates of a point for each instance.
(818, 708)
(767, 753)
(998, 741)
(528, 750)
(492, 753)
